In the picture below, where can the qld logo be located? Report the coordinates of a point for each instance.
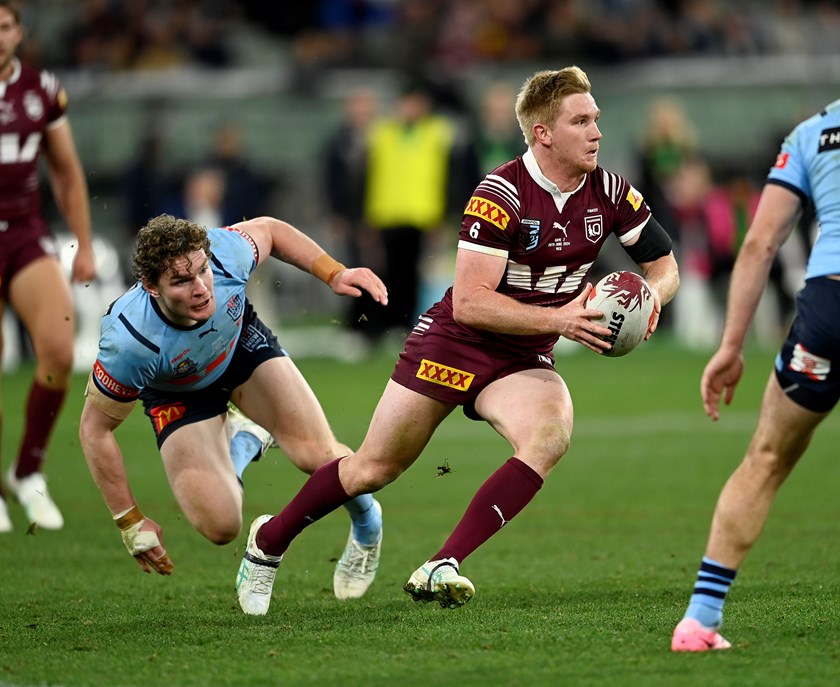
(594, 226)
(529, 237)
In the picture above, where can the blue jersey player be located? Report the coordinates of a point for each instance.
(185, 341)
(805, 384)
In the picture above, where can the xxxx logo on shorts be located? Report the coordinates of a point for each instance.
(444, 375)
(481, 207)
(163, 415)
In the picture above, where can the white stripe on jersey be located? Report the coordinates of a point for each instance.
(612, 185)
(494, 184)
(498, 252)
(49, 83)
(635, 231)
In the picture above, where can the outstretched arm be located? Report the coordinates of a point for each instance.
(283, 241)
(143, 537)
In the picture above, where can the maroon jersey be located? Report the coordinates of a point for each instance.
(31, 102)
(549, 238)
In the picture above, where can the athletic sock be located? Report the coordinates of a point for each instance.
(710, 590)
(505, 493)
(321, 494)
(42, 409)
(367, 522)
(244, 447)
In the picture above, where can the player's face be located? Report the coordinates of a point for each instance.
(185, 291)
(10, 37)
(575, 134)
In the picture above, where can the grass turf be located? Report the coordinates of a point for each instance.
(583, 588)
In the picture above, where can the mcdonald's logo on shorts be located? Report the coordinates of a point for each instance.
(444, 375)
(163, 415)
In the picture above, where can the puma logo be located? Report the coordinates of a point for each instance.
(212, 329)
(499, 511)
(562, 227)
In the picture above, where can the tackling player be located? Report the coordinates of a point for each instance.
(33, 120)
(804, 386)
(185, 341)
(529, 237)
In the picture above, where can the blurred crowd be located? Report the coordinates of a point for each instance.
(451, 140)
(450, 34)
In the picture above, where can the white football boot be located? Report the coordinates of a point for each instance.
(440, 581)
(238, 422)
(255, 578)
(5, 521)
(31, 491)
(357, 567)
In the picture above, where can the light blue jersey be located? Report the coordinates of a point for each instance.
(809, 165)
(140, 348)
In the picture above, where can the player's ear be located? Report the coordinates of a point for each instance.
(151, 289)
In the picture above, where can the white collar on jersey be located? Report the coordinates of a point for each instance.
(15, 72)
(534, 170)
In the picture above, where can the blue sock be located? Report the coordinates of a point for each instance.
(244, 447)
(710, 590)
(367, 521)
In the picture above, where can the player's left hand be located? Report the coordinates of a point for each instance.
(353, 281)
(84, 265)
(654, 317)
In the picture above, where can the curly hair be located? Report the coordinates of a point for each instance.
(541, 98)
(163, 240)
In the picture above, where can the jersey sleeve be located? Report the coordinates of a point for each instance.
(631, 210)
(790, 169)
(491, 215)
(235, 253)
(123, 367)
(56, 98)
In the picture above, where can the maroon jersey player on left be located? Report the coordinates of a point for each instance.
(33, 122)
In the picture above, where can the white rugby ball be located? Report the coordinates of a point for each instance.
(627, 303)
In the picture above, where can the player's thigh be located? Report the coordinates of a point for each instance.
(784, 427)
(533, 410)
(197, 461)
(402, 425)
(41, 296)
(278, 397)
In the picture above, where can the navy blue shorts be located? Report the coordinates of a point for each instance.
(169, 410)
(805, 366)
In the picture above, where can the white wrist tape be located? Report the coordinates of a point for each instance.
(137, 541)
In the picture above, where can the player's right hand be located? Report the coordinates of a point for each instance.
(143, 538)
(577, 323)
(720, 377)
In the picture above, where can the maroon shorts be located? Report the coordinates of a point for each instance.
(452, 368)
(22, 240)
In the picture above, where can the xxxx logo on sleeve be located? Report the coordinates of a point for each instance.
(486, 209)
(444, 375)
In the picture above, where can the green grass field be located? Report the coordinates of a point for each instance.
(583, 588)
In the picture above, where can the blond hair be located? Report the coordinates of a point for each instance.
(540, 99)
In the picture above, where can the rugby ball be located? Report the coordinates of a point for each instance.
(627, 303)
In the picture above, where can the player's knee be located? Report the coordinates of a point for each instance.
(221, 533)
(55, 361)
(367, 477)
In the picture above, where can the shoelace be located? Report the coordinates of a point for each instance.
(356, 563)
(262, 578)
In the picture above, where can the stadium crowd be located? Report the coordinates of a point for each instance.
(451, 34)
